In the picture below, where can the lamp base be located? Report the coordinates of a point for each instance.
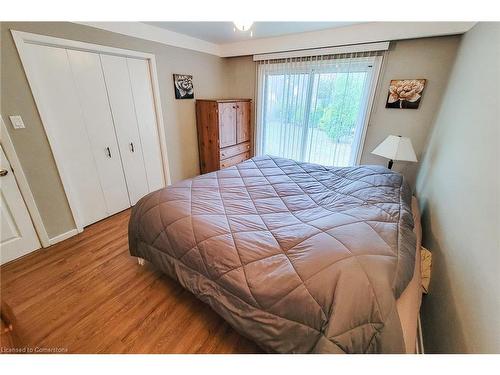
(389, 165)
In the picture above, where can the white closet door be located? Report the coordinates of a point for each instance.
(140, 80)
(52, 82)
(17, 235)
(124, 117)
(89, 79)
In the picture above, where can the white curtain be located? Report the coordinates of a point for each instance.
(314, 109)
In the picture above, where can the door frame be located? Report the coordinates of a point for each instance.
(22, 38)
(22, 184)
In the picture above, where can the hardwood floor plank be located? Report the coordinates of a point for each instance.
(107, 314)
(87, 294)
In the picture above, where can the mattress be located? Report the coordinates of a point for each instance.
(408, 304)
(298, 257)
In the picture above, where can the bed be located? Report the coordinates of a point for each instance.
(298, 257)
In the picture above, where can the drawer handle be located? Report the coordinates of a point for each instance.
(132, 149)
(108, 151)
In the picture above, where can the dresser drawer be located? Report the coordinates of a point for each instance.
(234, 160)
(231, 151)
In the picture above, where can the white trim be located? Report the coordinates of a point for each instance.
(371, 99)
(21, 38)
(63, 236)
(159, 120)
(23, 185)
(25, 37)
(156, 34)
(382, 46)
(370, 32)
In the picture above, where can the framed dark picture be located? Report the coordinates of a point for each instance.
(183, 85)
(405, 93)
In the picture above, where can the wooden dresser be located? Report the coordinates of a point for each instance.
(224, 132)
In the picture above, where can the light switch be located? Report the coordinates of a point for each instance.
(17, 122)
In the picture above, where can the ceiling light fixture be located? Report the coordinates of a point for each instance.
(243, 25)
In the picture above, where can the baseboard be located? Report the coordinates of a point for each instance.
(63, 236)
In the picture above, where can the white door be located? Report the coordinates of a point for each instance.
(17, 235)
(140, 80)
(121, 99)
(91, 89)
(52, 83)
(99, 114)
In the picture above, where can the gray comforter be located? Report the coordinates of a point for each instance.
(298, 257)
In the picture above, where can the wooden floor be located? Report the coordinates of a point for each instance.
(88, 295)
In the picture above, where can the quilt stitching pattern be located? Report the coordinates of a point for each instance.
(284, 194)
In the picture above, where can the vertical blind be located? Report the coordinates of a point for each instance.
(314, 109)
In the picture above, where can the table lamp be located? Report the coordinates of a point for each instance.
(396, 147)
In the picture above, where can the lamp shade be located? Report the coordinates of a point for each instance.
(395, 147)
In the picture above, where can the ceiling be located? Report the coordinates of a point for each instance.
(219, 38)
(223, 32)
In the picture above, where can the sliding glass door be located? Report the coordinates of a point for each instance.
(315, 110)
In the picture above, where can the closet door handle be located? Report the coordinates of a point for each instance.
(132, 149)
(108, 151)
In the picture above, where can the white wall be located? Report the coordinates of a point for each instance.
(429, 58)
(179, 117)
(459, 188)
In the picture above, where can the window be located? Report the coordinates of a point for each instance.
(315, 109)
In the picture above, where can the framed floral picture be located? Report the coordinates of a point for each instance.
(405, 93)
(183, 85)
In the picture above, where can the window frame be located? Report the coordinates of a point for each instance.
(264, 70)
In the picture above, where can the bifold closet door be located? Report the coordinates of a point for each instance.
(121, 100)
(91, 89)
(52, 83)
(140, 81)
